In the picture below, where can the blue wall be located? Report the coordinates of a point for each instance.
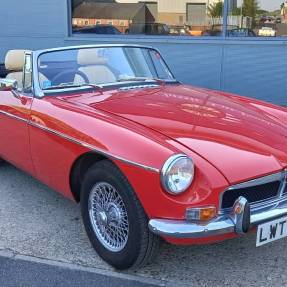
(255, 68)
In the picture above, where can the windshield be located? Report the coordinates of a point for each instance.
(100, 66)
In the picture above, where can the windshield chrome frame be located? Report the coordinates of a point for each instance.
(39, 92)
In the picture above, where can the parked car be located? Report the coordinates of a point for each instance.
(179, 31)
(146, 156)
(267, 32)
(98, 29)
(148, 29)
(213, 32)
(241, 32)
(279, 20)
(216, 30)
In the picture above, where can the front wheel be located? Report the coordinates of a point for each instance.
(115, 221)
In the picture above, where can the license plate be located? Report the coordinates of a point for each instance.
(271, 231)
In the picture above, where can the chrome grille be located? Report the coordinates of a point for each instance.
(256, 191)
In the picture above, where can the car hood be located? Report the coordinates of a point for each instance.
(236, 136)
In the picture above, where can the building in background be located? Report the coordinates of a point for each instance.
(122, 13)
(119, 15)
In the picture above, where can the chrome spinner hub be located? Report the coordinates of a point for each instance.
(108, 216)
(102, 218)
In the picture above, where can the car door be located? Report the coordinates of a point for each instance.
(15, 108)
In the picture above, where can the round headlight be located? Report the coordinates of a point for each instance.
(177, 174)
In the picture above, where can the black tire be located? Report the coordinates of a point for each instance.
(141, 244)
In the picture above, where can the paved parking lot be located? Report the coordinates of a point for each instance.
(38, 222)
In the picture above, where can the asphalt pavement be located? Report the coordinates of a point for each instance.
(19, 270)
(44, 239)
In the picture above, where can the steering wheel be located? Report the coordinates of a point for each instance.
(71, 73)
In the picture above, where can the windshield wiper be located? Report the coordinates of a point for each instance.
(69, 85)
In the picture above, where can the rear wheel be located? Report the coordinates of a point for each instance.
(114, 219)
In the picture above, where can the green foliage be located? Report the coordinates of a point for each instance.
(262, 12)
(215, 10)
(250, 9)
(236, 11)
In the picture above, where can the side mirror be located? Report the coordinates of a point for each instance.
(8, 85)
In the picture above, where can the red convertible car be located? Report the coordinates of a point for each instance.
(147, 157)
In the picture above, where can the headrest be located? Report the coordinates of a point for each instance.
(90, 57)
(15, 60)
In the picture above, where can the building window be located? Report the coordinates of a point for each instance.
(147, 17)
(260, 18)
(190, 18)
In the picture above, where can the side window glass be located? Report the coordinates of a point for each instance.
(27, 81)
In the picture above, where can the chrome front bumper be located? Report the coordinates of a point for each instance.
(239, 221)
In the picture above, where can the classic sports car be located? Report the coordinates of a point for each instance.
(146, 156)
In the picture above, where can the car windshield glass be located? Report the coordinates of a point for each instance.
(82, 67)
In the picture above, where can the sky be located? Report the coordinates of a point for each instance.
(270, 5)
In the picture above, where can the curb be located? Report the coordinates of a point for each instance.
(111, 278)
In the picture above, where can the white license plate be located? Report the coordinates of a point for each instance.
(271, 231)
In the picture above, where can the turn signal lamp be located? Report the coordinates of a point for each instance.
(201, 214)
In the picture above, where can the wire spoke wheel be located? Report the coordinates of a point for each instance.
(108, 216)
(114, 218)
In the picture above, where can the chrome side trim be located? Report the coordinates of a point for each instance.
(14, 117)
(81, 143)
(93, 148)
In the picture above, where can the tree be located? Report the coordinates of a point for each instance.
(250, 9)
(215, 10)
(236, 11)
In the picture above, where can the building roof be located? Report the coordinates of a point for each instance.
(76, 3)
(90, 10)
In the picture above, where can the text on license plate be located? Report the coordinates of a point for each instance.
(271, 231)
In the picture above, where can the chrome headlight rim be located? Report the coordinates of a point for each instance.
(166, 167)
